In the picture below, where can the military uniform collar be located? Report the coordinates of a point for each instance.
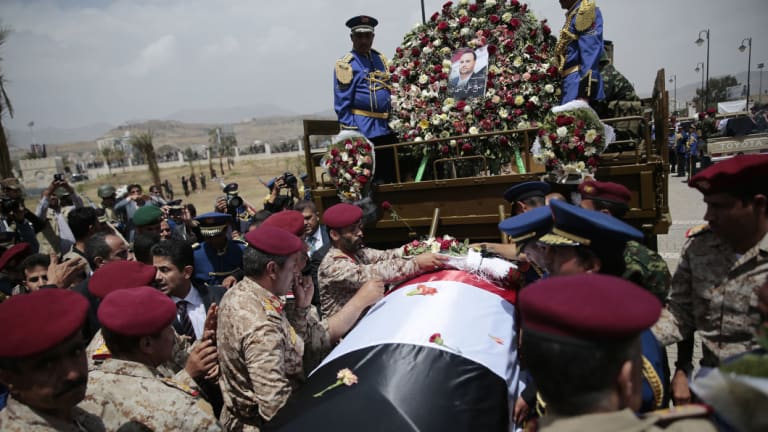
(128, 368)
(624, 420)
(266, 297)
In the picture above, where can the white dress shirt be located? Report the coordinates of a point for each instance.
(195, 310)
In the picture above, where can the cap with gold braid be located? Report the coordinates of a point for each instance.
(575, 226)
(212, 224)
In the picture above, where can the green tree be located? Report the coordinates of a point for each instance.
(5, 107)
(718, 89)
(143, 143)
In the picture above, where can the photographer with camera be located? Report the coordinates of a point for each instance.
(234, 205)
(13, 218)
(283, 193)
(55, 203)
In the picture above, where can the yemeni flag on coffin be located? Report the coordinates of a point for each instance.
(437, 353)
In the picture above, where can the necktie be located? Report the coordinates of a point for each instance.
(186, 323)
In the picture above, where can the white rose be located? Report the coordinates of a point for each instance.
(434, 247)
(462, 12)
(534, 100)
(446, 64)
(467, 109)
(517, 62)
(428, 50)
(446, 51)
(452, 143)
(436, 120)
(418, 138)
(507, 17)
(590, 136)
(549, 88)
(423, 79)
(463, 2)
(464, 31)
(503, 113)
(437, 42)
(445, 134)
(473, 130)
(581, 166)
(490, 3)
(428, 136)
(344, 157)
(562, 131)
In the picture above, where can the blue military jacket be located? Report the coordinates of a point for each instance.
(578, 51)
(655, 373)
(212, 267)
(362, 93)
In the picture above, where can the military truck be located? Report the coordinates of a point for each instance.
(471, 207)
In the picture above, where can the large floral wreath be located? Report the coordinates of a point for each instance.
(522, 83)
(349, 162)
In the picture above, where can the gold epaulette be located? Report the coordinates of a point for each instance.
(383, 58)
(585, 17)
(344, 69)
(654, 381)
(101, 353)
(669, 415)
(177, 385)
(693, 232)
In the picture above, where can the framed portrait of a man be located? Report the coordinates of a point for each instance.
(469, 73)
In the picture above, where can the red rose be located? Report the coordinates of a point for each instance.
(448, 5)
(524, 7)
(446, 244)
(598, 139)
(362, 179)
(443, 75)
(509, 44)
(405, 73)
(580, 124)
(442, 26)
(486, 124)
(518, 112)
(503, 140)
(514, 3)
(434, 16)
(334, 171)
(464, 20)
(514, 23)
(415, 51)
(547, 30)
(542, 132)
(334, 152)
(530, 106)
(467, 147)
(438, 68)
(434, 337)
(460, 105)
(494, 19)
(530, 49)
(491, 49)
(553, 137)
(415, 243)
(490, 84)
(592, 161)
(473, 7)
(395, 78)
(445, 149)
(416, 63)
(391, 68)
(385, 205)
(580, 148)
(552, 71)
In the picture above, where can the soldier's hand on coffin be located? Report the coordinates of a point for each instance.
(430, 261)
(303, 288)
(371, 292)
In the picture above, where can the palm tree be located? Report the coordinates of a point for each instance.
(108, 154)
(143, 143)
(5, 106)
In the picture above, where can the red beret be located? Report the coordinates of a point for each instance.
(142, 311)
(588, 307)
(732, 175)
(342, 215)
(274, 241)
(607, 191)
(289, 220)
(39, 321)
(117, 275)
(20, 251)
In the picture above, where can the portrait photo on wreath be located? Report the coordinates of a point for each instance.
(469, 73)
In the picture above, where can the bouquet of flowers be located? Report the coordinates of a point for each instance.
(570, 141)
(350, 163)
(522, 83)
(446, 245)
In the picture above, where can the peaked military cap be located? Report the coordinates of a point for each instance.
(230, 188)
(527, 190)
(213, 223)
(362, 24)
(529, 225)
(575, 226)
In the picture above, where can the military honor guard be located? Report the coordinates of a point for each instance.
(578, 51)
(43, 364)
(218, 258)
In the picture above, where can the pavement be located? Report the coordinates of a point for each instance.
(687, 208)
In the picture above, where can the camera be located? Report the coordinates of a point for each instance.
(58, 177)
(289, 180)
(8, 205)
(175, 210)
(233, 202)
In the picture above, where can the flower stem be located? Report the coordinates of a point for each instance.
(330, 387)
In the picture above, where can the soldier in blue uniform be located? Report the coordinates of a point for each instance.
(578, 51)
(524, 230)
(362, 93)
(218, 259)
(588, 241)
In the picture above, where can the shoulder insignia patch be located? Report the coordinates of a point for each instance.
(344, 70)
(101, 353)
(272, 305)
(383, 59)
(693, 232)
(585, 17)
(183, 387)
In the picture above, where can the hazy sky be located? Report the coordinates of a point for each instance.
(75, 62)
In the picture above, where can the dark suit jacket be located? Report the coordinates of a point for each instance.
(314, 266)
(209, 293)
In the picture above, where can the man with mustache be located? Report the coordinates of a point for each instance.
(713, 290)
(43, 363)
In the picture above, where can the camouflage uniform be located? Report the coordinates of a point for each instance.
(615, 86)
(713, 292)
(122, 391)
(647, 269)
(17, 417)
(340, 275)
(260, 353)
(624, 420)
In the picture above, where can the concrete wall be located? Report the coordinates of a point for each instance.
(38, 173)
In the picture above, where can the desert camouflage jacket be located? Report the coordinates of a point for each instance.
(713, 292)
(260, 353)
(17, 417)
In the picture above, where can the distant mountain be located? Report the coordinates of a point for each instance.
(22, 138)
(229, 115)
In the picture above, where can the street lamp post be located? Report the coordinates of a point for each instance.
(674, 79)
(760, 92)
(700, 67)
(742, 47)
(699, 42)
